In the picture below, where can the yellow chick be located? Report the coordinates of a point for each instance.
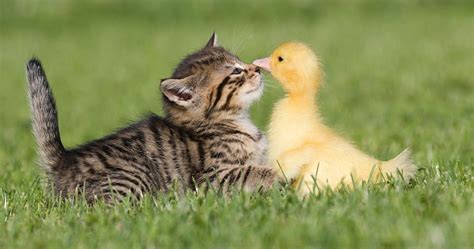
(304, 149)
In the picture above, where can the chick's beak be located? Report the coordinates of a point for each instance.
(263, 63)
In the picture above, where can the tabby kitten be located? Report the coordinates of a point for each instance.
(206, 137)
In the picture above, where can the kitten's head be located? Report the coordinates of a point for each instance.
(210, 83)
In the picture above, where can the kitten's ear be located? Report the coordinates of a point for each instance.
(212, 41)
(178, 90)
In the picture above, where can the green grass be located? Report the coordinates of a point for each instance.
(398, 74)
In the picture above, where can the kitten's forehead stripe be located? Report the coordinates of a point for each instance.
(203, 58)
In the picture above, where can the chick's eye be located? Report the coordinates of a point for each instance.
(280, 59)
(237, 70)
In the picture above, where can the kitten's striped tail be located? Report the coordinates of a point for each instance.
(44, 116)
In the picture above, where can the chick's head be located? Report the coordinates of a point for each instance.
(295, 66)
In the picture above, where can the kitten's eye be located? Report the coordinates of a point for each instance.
(237, 70)
(280, 59)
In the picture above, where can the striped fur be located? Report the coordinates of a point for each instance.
(205, 139)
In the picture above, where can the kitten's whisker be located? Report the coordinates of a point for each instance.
(270, 84)
(243, 40)
(233, 38)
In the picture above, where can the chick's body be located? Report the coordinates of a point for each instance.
(303, 148)
(300, 145)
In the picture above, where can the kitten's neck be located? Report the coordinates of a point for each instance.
(230, 120)
(241, 120)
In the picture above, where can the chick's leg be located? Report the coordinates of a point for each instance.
(292, 161)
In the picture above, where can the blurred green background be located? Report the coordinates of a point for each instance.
(397, 74)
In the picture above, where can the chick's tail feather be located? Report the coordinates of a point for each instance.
(44, 116)
(401, 164)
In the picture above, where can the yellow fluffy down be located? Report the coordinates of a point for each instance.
(301, 147)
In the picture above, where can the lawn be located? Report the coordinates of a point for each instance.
(397, 74)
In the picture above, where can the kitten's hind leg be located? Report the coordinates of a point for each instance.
(116, 187)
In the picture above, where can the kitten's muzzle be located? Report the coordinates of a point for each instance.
(254, 68)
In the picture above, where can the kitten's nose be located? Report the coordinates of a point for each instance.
(255, 68)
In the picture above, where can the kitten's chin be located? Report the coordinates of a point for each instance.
(253, 95)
